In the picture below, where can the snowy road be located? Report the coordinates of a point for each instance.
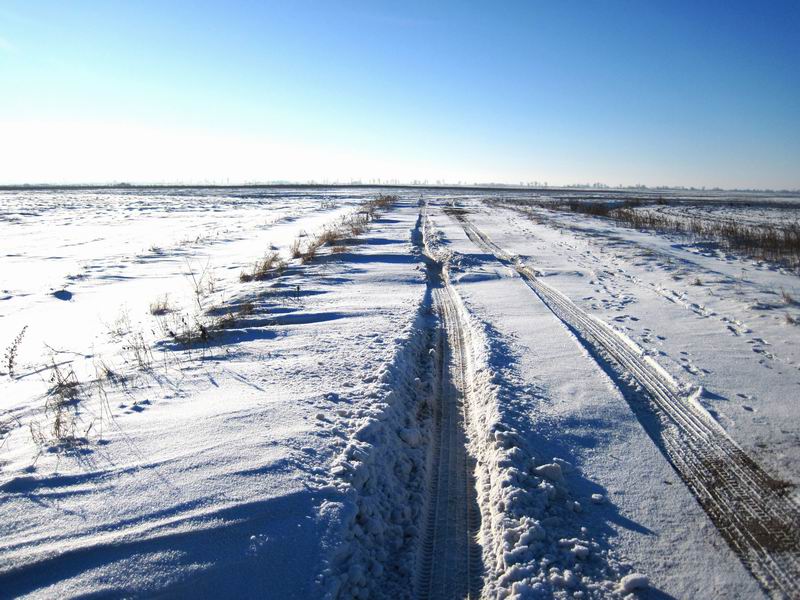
(450, 564)
(748, 506)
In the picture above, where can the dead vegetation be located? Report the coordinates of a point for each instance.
(185, 329)
(12, 351)
(229, 318)
(198, 329)
(267, 267)
(160, 306)
(59, 431)
(121, 326)
(106, 372)
(294, 249)
(310, 251)
(66, 426)
(137, 351)
(775, 243)
(327, 204)
(62, 401)
(203, 282)
(340, 234)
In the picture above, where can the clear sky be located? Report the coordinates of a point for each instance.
(622, 92)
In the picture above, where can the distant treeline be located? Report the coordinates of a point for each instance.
(478, 186)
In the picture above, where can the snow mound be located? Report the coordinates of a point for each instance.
(632, 582)
(380, 476)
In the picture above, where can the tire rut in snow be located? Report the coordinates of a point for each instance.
(750, 508)
(449, 564)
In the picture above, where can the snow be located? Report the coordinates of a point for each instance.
(287, 452)
(551, 471)
(564, 405)
(632, 582)
(189, 459)
(707, 336)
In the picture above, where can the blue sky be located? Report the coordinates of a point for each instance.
(621, 92)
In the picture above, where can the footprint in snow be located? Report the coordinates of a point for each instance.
(63, 295)
(136, 407)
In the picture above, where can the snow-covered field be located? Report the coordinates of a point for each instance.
(465, 395)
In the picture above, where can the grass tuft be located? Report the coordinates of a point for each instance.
(294, 249)
(61, 409)
(267, 267)
(12, 351)
(160, 306)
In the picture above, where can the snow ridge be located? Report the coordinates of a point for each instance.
(533, 544)
(381, 475)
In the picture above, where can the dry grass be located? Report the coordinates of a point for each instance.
(203, 283)
(138, 350)
(330, 235)
(305, 248)
(198, 330)
(294, 249)
(186, 330)
(778, 244)
(160, 306)
(350, 226)
(60, 409)
(106, 372)
(121, 326)
(59, 431)
(267, 267)
(12, 351)
(310, 251)
(246, 309)
(231, 317)
(763, 241)
(382, 202)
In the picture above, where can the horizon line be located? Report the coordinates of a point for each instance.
(534, 186)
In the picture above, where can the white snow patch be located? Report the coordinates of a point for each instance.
(633, 582)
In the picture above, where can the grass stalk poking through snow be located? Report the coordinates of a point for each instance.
(11, 352)
(60, 409)
(269, 266)
(160, 306)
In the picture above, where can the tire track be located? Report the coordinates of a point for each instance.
(449, 563)
(750, 508)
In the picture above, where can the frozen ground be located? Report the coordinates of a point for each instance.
(463, 396)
